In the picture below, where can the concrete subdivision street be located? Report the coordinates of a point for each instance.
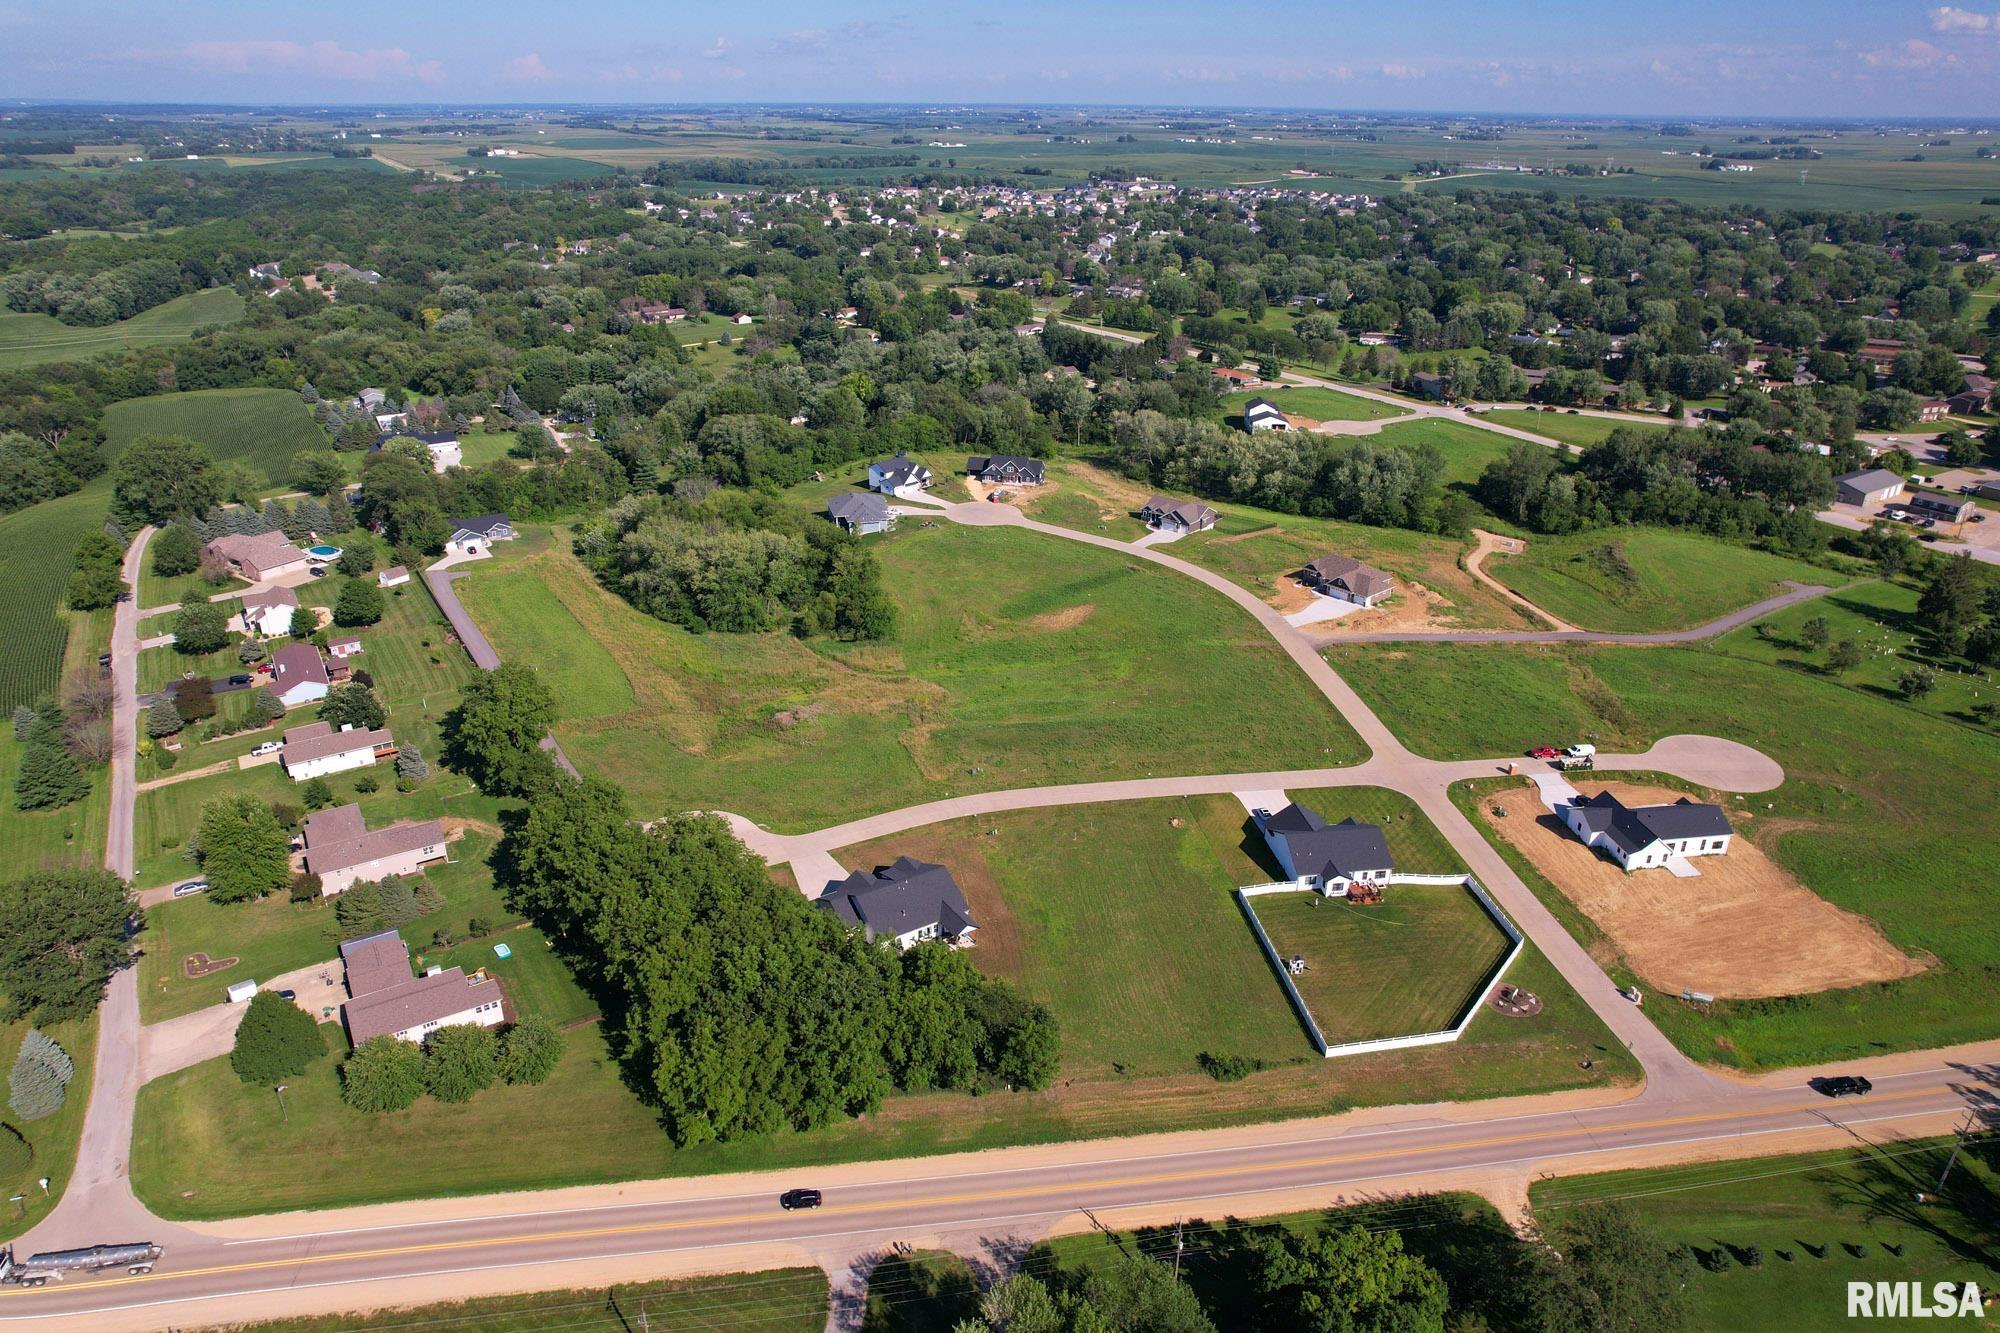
(978, 1203)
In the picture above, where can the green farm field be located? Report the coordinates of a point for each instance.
(1869, 817)
(1410, 965)
(33, 340)
(1818, 1221)
(260, 428)
(1018, 660)
(1640, 579)
(36, 545)
(1466, 448)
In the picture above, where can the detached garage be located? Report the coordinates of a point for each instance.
(1872, 486)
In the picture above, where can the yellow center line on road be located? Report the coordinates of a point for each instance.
(1060, 1187)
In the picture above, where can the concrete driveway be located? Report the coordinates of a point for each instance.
(192, 1038)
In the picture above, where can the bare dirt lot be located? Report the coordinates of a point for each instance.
(1745, 928)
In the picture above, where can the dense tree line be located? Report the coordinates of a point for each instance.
(739, 564)
(743, 1009)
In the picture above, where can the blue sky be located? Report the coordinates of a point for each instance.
(1642, 57)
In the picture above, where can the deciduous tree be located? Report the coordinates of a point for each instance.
(62, 935)
(275, 1041)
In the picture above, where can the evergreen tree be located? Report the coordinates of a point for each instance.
(384, 1074)
(530, 1051)
(39, 1082)
(410, 767)
(24, 719)
(317, 794)
(162, 718)
(359, 910)
(275, 1041)
(266, 706)
(460, 1061)
(399, 900)
(48, 779)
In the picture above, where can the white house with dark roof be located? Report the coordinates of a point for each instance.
(1262, 414)
(901, 475)
(343, 851)
(1645, 836)
(469, 534)
(385, 999)
(298, 675)
(1327, 857)
(1165, 514)
(1348, 579)
(904, 903)
(316, 749)
(860, 514)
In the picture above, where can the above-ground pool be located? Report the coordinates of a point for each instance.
(323, 552)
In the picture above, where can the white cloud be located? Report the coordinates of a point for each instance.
(718, 51)
(325, 58)
(1400, 71)
(529, 68)
(1913, 54)
(1950, 18)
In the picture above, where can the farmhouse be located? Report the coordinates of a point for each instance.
(469, 534)
(901, 475)
(1004, 470)
(393, 576)
(268, 611)
(1868, 486)
(384, 999)
(650, 312)
(316, 749)
(298, 675)
(1166, 514)
(1348, 579)
(258, 557)
(1327, 857)
(1262, 414)
(904, 903)
(343, 851)
(860, 514)
(1637, 837)
(1942, 508)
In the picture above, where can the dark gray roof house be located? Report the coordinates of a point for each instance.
(1001, 469)
(893, 474)
(858, 511)
(1343, 575)
(1311, 848)
(1163, 511)
(1644, 834)
(906, 902)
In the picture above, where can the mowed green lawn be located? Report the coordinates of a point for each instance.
(1822, 1220)
(1580, 430)
(1872, 809)
(1311, 401)
(1639, 579)
(275, 936)
(1466, 448)
(1412, 964)
(52, 1139)
(263, 429)
(49, 839)
(1018, 660)
(33, 340)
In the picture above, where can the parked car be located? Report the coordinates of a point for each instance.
(268, 747)
(1544, 752)
(288, 995)
(1844, 1085)
(318, 571)
(1581, 750)
(193, 886)
(240, 678)
(793, 1199)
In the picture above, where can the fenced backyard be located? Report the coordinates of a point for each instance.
(1410, 971)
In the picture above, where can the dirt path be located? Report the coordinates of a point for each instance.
(1475, 565)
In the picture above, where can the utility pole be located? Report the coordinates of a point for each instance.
(282, 1109)
(1957, 1142)
(1179, 1245)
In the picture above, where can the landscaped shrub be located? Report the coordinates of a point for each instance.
(460, 1061)
(39, 1083)
(383, 1074)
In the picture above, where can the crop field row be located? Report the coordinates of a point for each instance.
(35, 551)
(263, 429)
(32, 340)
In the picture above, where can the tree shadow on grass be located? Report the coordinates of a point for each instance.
(920, 1293)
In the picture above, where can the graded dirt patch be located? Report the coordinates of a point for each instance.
(1067, 618)
(1743, 929)
(1413, 609)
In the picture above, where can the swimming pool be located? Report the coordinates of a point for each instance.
(323, 552)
